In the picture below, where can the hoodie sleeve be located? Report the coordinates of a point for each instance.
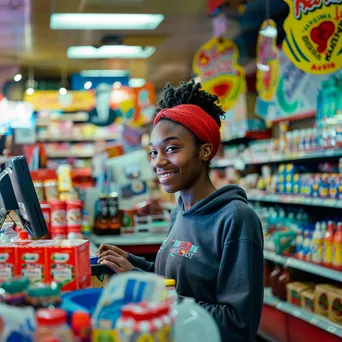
(240, 284)
(140, 263)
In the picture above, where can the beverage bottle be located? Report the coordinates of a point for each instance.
(337, 247)
(81, 326)
(317, 245)
(283, 280)
(299, 243)
(274, 277)
(306, 250)
(327, 244)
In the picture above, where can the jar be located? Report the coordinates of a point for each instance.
(42, 296)
(170, 290)
(58, 219)
(13, 291)
(74, 215)
(102, 217)
(39, 187)
(51, 189)
(52, 323)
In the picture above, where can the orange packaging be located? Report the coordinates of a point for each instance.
(31, 260)
(337, 247)
(69, 264)
(8, 262)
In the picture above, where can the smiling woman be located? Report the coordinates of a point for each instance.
(214, 248)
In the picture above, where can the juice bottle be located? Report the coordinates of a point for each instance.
(283, 280)
(327, 244)
(317, 245)
(274, 277)
(337, 247)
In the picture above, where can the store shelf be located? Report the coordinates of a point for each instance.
(78, 117)
(311, 318)
(129, 239)
(296, 156)
(222, 162)
(304, 266)
(261, 196)
(77, 139)
(70, 154)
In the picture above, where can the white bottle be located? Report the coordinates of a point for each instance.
(317, 244)
(323, 228)
(193, 323)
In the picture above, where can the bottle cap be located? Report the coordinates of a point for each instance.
(51, 316)
(80, 319)
(23, 235)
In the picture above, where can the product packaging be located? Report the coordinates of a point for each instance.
(308, 300)
(335, 305)
(322, 299)
(294, 292)
(8, 264)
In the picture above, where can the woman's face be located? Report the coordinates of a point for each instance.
(175, 156)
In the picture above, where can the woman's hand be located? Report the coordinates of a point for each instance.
(115, 261)
(103, 248)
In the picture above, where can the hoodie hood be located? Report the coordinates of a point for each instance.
(215, 201)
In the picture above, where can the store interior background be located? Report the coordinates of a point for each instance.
(293, 180)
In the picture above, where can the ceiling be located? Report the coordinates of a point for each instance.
(27, 40)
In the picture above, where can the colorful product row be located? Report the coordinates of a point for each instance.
(47, 261)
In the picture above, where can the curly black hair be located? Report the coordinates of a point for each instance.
(191, 93)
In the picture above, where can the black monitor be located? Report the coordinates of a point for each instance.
(28, 208)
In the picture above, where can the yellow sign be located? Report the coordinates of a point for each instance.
(314, 35)
(216, 63)
(52, 100)
(267, 75)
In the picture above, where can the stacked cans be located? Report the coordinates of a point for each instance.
(66, 219)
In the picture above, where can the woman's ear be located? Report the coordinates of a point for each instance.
(205, 152)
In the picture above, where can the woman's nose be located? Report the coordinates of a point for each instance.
(159, 161)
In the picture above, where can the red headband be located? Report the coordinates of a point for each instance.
(196, 120)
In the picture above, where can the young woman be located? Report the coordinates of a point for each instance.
(214, 248)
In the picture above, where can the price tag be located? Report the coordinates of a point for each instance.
(313, 321)
(331, 329)
(297, 313)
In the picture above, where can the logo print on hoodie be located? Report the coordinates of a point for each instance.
(183, 249)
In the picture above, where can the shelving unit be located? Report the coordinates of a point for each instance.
(309, 317)
(262, 196)
(304, 266)
(70, 154)
(77, 139)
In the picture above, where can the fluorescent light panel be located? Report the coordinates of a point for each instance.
(104, 73)
(110, 51)
(104, 21)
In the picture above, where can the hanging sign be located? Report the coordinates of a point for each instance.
(216, 63)
(267, 76)
(314, 35)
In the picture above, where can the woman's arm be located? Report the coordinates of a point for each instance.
(140, 263)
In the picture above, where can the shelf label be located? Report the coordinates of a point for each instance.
(331, 329)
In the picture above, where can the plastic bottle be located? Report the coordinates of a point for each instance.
(337, 247)
(306, 251)
(317, 245)
(193, 323)
(327, 244)
(53, 323)
(274, 277)
(81, 326)
(283, 280)
(299, 243)
(324, 228)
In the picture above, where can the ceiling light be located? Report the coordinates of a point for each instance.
(136, 82)
(17, 77)
(87, 85)
(104, 73)
(104, 21)
(116, 85)
(110, 51)
(30, 91)
(62, 91)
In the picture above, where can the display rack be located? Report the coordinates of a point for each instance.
(304, 266)
(262, 196)
(309, 317)
(77, 139)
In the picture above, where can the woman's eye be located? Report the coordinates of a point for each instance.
(153, 154)
(171, 149)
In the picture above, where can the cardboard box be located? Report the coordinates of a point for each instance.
(294, 291)
(8, 262)
(69, 264)
(322, 299)
(308, 300)
(335, 305)
(31, 261)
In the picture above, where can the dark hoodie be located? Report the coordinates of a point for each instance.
(214, 251)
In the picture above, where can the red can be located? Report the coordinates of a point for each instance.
(58, 219)
(74, 215)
